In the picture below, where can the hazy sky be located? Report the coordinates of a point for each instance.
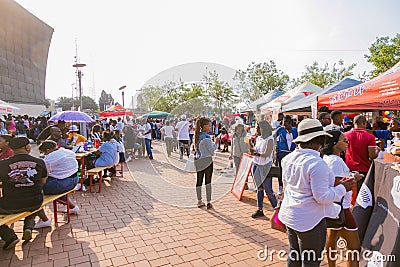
(127, 42)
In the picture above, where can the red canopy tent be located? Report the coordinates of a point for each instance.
(115, 111)
(381, 93)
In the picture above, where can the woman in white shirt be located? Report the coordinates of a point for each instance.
(262, 163)
(309, 195)
(168, 130)
(62, 169)
(334, 146)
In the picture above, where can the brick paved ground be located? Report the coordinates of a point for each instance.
(138, 220)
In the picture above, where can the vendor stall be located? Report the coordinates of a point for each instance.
(380, 93)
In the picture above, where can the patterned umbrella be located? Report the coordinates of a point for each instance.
(72, 116)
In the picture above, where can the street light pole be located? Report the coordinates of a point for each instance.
(72, 85)
(79, 74)
(123, 94)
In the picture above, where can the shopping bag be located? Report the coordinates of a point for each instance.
(190, 167)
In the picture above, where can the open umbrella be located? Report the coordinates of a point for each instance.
(156, 114)
(73, 116)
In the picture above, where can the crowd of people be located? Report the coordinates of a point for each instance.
(322, 164)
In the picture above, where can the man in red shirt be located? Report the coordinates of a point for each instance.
(362, 148)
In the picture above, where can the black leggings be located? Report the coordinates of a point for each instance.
(204, 169)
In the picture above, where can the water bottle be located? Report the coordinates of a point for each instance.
(85, 146)
(90, 145)
(388, 145)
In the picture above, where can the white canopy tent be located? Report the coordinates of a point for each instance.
(6, 108)
(296, 94)
(304, 104)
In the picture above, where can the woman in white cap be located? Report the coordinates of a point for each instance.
(309, 195)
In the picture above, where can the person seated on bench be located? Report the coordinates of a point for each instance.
(5, 150)
(62, 177)
(23, 177)
(107, 153)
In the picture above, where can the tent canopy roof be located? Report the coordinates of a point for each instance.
(270, 96)
(305, 103)
(380, 93)
(295, 94)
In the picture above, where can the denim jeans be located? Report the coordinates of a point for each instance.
(266, 186)
(306, 247)
(148, 147)
(55, 186)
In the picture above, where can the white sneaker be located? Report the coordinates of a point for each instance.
(280, 190)
(72, 211)
(42, 224)
(128, 159)
(78, 186)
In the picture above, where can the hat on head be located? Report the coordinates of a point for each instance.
(73, 128)
(309, 129)
(346, 119)
(18, 142)
(183, 116)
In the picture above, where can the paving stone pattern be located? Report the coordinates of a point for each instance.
(125, 225)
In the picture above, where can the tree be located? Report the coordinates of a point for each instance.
(219, 91)
(148, 98)
(324, 76)
(384, 54)
(64, 102)
(89, 103)
(259, 79)
(104, 100)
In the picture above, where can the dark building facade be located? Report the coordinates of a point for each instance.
(24, 47)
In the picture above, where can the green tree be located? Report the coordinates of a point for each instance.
(64, 102)
(148, 98)
(220, 92)
(325, 76)
(89, 103)
(384, 54)
(259, 79)
(104, 100)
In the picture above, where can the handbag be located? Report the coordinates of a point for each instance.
(276, 223)
(339, 221)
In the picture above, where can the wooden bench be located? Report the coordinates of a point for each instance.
(8, 219)
(96, 171)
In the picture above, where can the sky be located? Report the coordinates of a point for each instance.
(128, 42)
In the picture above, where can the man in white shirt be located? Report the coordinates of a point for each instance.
(147, 139)
(183, 136)
(278, 123)
(120, 125)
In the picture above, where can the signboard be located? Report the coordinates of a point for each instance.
(242, 175)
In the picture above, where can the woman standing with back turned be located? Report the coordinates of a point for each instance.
(205, 149)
